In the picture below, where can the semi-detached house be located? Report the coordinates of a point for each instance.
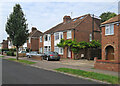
(80, 29)
(34, 40)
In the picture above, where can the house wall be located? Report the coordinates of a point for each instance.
(83, 31)
(5, 45)
(35, 44)
(110, 40)
(52, 42)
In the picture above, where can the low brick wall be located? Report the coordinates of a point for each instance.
(22, 54)
(37, 57)
(107, 65)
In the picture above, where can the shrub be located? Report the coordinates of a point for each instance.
(10, 53)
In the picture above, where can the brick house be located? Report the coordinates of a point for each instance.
(33, 41)
(4, 44)
(110, 45)
(79, 28)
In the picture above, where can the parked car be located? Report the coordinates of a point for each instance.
(33, 53)
(22, 52)
(51, 56)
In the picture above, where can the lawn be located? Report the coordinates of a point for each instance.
(93, 75)
(22, 61)
(1, 56)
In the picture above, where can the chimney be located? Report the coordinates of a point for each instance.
(34, 28)
(66, 19)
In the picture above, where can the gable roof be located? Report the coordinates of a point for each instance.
(35, 33)
(68, 25)
(111, 20)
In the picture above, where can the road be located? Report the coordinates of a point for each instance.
(16, 73)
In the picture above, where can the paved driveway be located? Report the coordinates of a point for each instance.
(16, 73)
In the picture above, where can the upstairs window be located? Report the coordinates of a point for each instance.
(90, 37)
(46, 38)
(109, 29)
(69, 35)
(40, 38)
(61, 36)
(49, 38)
(56, 36)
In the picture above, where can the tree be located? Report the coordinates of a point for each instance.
(107, 15)
(17, 28)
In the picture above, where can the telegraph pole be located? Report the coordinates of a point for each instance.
(93, 27)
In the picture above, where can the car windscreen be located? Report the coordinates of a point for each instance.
(54, 53)
(34, 52)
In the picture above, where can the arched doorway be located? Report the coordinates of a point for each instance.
(109, 53)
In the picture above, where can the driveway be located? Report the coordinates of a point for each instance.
(16, 73)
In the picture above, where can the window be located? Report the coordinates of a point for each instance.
(47, 48)
(61, 36)
(56, 36)
(109, 29)
(81, 17)
(90, 37)
(46, 37)
(40, 38)
(58, 50)
(61, 50)
(74, 19)
(29, 40)
(69, 35)
(41, 50)
(49, 38)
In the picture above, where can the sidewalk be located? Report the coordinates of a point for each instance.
(68, 63)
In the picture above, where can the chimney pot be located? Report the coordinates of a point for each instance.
(66, 19)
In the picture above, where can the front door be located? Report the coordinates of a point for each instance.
(69, 53)
(110, 53)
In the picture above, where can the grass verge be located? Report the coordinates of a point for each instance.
(93, 75)
(1, 56)
(22, 61)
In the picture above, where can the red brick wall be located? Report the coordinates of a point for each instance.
(5, 45)
(110, 40)
(52, 42)
(35, 44)
(107, 65)
(82, 32)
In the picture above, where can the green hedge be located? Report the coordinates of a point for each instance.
(10, 53)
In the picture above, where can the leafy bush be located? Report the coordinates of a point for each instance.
(10, 53)
(76, 46)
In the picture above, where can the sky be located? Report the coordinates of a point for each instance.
(45, 14)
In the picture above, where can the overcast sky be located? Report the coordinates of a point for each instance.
(45, 15)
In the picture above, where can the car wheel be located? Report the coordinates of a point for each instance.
(28, 56)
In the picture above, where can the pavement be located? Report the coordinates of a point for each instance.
(16, 73)
(68, 63)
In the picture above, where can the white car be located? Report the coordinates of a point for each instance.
(33, 53)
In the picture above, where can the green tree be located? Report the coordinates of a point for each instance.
(107, 15)
(17, 28)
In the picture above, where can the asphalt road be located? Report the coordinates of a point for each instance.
(16, 73)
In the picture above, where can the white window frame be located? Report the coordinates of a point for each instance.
(40, 38)
(56, 36)
(29, 39)
(90, 37)
(41, 50)
(61, 35)
(45, 37)
(109, 29)
(69, 34)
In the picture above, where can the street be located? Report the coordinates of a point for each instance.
(16, 73)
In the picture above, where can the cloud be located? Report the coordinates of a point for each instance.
(45, 15)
